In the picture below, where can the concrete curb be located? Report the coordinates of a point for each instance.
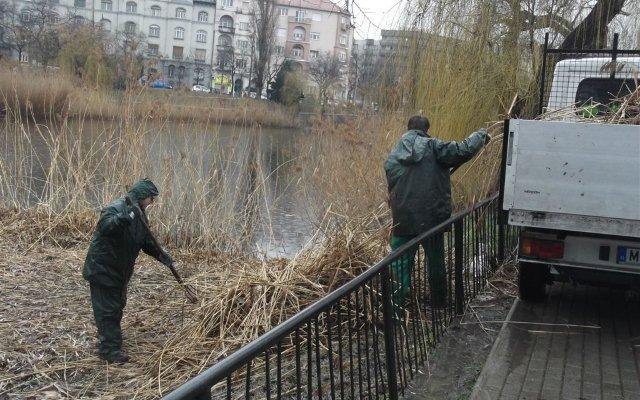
(492, 360)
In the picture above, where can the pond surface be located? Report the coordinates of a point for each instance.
(236, 164)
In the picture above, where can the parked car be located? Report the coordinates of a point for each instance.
(200, 88)
(161, 85)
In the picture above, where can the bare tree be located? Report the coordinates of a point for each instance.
(44, 26)
(227, 64)
(129, 59)
(264, 24)
(326, 72)
(16, 34)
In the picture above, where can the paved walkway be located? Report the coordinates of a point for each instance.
(582, 343)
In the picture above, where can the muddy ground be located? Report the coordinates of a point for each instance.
(458, 359)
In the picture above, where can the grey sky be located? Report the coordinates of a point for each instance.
(371, 15)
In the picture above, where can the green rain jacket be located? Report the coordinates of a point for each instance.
(419, 181)
(118, 239)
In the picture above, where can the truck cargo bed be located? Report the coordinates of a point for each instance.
(573, 176)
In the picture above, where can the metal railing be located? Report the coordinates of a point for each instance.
(368, 338)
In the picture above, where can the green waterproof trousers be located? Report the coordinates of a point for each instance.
(108, 304)
(402, 269)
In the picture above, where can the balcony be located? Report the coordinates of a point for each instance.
(224, 47)
(227, 29)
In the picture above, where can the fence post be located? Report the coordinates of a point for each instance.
(389, 333)
(543, 72)
(459, 262)
(614, 56)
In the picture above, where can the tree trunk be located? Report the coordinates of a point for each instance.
(591, 33)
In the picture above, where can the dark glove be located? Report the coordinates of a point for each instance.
(166, 259)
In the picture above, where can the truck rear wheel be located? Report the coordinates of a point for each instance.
(532, 281)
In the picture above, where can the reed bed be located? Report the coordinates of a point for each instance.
(49, 96)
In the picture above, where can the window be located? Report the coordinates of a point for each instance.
(595, 95)
(181, 13)
(299, 15)
(200, 54)
(297, 51)
(201, 36)
(106, 5)
(79, 3)
(181, 71)
(25, 16)
(284, 11)
(317, 17)
(241, 63)
(171, 70)
(177, 53)
(24, 57)
(155, 11)
(132, 7)
(203, 16)
(342, 56)
(226, 21)
(179, 33)
(243, 44)
(225, 41)
(298, 33)
(154, 31)
(244, 26)
(105, 25)
(227, 3)
(315, 36)
(343, 40)
(130, 27)
(282, 32)
(152, 49)
(77, 20)
(279, 49)
(314, 54)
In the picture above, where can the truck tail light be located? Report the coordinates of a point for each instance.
(540, 248)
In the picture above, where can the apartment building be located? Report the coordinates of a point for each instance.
(234, 43)
(179, 34)
(307, 28)
(304, 29)
(211, 42)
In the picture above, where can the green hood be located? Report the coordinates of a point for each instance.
(412, 147)
(142, 189)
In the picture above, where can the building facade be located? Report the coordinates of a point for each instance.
(211, 42)
(307, 28)
(179, 34)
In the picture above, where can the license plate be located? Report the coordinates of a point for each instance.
(628, 255)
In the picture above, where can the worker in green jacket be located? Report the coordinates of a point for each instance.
(419, 184)
(118, 238)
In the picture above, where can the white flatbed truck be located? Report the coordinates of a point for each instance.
(573, 189)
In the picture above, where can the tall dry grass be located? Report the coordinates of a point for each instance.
(36, 96)
(52, 95)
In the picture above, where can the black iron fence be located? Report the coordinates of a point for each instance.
(370, 337)
(590, 78)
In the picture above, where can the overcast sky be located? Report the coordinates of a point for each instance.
(371, 15)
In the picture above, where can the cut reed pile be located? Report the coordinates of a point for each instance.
(623, 110)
